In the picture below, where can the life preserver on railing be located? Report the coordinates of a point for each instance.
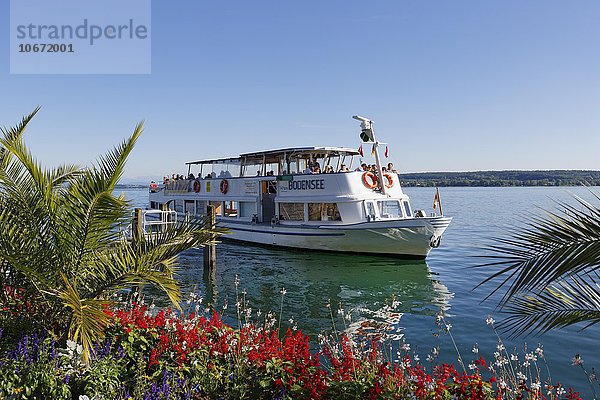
(369, 180)
(197, 185)
(390, 180)
(224, 186)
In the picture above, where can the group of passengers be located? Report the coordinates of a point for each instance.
(315, 168)
(311, 168)
(168, 182)
(373, 168)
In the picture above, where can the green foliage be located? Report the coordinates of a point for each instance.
(549, 270)
(43, 377)
(60, 238)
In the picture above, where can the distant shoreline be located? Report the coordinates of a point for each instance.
(479, 179)
(502, 178)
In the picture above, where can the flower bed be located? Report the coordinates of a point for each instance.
(168, 356)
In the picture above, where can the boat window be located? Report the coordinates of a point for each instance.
(200, 207)
(247, 208)
(179, 206)
(189, 206)
(218, 207)
(407, 209)
(291, 211)
(231, 209)
(323, 212)
(370, 208)
(389, 209)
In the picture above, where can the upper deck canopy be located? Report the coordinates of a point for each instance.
(274, 156)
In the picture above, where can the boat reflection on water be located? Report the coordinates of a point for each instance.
(361, 285)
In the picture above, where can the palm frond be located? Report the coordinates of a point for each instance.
(88, 318)
(569, 301)
(562, 244)
(13, 134)
(546, 269)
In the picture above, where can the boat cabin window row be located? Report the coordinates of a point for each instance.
(309, 212)
(231, 209)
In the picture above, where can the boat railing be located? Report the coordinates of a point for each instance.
(179, 186)
(161, 218)
(151, 222)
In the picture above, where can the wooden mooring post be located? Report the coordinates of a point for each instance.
(210, 251)
(137, 228)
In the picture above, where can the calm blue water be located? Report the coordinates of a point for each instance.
(365, 283)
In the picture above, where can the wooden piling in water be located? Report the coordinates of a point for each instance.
(137, 228)
(210, 251)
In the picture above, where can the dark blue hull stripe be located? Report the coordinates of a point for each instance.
(286, 233)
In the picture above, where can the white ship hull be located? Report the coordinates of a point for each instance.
(410, 238)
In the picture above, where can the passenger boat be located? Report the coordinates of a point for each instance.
(275, 198)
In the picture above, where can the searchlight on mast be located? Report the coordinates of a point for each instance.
(367, 135)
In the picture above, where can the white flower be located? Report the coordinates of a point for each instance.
(560, 391)
(521, 376)
(500, 346)
(535, 386)
(83, 397)
(475, 348)
(489, 320)
(577, 360)
(514, 357)
(539, 351)
(283, 291)
(472, 366)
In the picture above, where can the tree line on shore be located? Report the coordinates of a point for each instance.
(503, 178)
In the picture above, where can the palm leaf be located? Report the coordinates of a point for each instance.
(566, 302)
(545, 269)
(12, 134)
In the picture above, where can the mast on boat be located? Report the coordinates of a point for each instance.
(366, 125)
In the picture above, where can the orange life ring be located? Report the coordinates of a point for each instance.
(390, 180)
(369, 180)
(224, 186)
(197, 186)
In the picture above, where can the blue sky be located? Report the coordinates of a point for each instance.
(451, 85)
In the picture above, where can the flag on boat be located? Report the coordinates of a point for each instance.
(386, 152)
(437, 202)
(373, 150)
(360, 151)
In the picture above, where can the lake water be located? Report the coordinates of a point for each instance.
(364, 284)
